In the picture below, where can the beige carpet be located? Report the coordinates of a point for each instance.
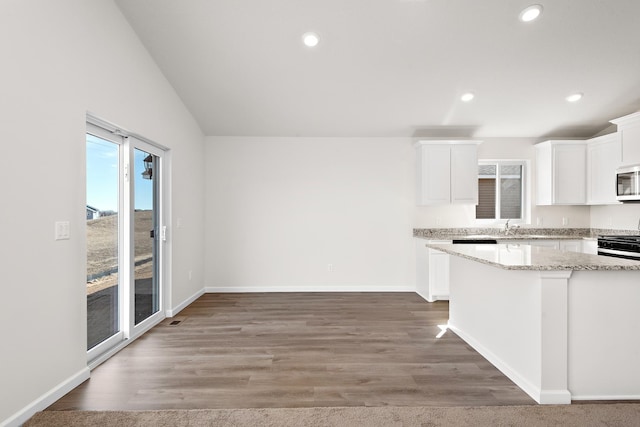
(620, 414)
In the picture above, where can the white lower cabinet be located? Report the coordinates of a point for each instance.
(563, 245)
(438, 275)
(546, 243)
(514, 242)
(432, 274)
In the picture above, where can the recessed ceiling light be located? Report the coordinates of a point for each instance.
(574, 97)
(530, 13)
(467, 97)
(310, 39)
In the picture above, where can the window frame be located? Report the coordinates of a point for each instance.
(526, 182)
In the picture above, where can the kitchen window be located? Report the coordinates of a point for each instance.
(501, 190)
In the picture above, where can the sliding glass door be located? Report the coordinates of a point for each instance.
(146, 234)
(104, 291)
(124, 238)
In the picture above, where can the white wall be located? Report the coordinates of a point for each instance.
(617, 217)
(59, 60)
(279, 210)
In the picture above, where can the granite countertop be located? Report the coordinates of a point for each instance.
(509, 237)
(518, 234)
(527, 257)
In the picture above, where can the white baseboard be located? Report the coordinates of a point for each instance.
(532, 390)
(425, 296)
(307, 288)
(46, 399)
(606, 397)
(177, 309)
(555, 397)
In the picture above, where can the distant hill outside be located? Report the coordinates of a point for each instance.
(102, 249)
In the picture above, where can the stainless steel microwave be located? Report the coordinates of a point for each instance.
(628, 183)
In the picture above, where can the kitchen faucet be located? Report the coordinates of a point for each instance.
(510, 228)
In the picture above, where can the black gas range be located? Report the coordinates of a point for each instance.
(620, 246)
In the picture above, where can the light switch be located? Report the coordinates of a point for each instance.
(62, 230)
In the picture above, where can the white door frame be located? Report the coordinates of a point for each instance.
(134, 330)
(128, 330)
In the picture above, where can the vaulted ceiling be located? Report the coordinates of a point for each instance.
(396, 67)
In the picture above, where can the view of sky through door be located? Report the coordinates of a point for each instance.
(103, 249)
(121, 237)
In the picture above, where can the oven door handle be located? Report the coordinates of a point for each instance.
(622, 253)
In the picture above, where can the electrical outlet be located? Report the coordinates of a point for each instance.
(190, 274)
(539, 221)
(62, 230)
(565, 221)
(330, 268)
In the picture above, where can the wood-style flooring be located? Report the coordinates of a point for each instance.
(297, 350)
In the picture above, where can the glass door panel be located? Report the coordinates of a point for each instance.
(124, 250)
(145, 224)
(103, 249)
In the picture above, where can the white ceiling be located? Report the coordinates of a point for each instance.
(396, 67)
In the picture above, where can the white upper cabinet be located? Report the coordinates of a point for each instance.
(434, 171)
(464, 174)
(447, 172)
(629, 130)
(561, 173)
(604, 156)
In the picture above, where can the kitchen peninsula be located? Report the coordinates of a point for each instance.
(562, 325)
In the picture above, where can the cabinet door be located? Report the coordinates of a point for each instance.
(630, 135)
(464, 174)
(569, 174)
(434, 169)
(543, 175)
(422, 268)
(438, 274)
(604, 157)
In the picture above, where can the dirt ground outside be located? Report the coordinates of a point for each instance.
(102, 250)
